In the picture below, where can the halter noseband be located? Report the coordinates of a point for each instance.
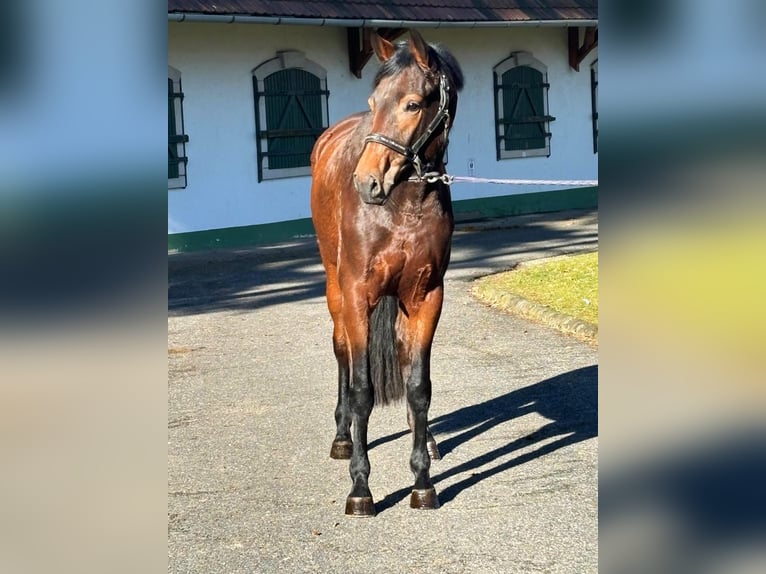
(411, 152)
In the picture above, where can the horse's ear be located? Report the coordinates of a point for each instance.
(383, 48)
(419, 50)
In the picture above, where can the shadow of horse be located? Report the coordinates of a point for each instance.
(568, 400)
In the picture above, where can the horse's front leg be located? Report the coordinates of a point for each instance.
(431, 444)
(341, 445)
(422, 326)
(360, 401)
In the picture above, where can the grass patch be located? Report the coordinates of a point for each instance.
(558, 289)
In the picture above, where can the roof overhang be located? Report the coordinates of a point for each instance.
(371, 23)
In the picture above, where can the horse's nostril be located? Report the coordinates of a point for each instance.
(375, 188)
(369, 187)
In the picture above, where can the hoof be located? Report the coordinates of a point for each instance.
(341, 450)
(424, 499)
(433, 450)
(361, 506)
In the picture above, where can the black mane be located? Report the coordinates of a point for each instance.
(402, 59)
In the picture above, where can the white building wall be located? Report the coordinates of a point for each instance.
(216, 63)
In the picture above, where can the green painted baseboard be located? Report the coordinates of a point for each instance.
(465, 210)
(248, 235)
(525, 203)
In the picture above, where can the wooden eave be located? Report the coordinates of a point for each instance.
(577, 51)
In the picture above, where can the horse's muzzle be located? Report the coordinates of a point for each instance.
(370, 189)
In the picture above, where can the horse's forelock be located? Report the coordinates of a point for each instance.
(403, 59)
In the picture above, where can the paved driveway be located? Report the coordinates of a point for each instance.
(251, 394)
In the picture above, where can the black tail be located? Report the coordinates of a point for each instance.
(385, 372)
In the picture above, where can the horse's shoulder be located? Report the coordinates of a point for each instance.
(335, 134)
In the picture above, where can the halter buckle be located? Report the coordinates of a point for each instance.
(433, 177)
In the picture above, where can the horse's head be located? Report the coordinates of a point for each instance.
(412, 107)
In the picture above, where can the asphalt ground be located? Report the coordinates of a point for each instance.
(251, 395)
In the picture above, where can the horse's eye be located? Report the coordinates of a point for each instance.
(412, 106)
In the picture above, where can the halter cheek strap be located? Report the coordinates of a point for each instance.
(412, 152)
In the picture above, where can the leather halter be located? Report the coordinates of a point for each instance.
(411, 152)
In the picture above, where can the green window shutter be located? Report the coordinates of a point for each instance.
(176, 138)
(173, 170)
(594, 105)
(293, 101)
(523, 93)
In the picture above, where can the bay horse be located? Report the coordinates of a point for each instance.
(382, 211)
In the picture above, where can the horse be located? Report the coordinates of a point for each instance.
(382, 212)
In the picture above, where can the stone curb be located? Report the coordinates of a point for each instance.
(512, 303)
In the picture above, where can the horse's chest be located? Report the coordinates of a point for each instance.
(407, 267)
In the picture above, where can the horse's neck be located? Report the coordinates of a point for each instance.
(420, 199)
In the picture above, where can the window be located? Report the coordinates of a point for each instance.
(594, 102)
(176, 137)
(521, 107)
(290, 114)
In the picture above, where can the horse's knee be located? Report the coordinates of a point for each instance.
(418, 395)
(339, 348)
(361, 400)
(339, 343)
